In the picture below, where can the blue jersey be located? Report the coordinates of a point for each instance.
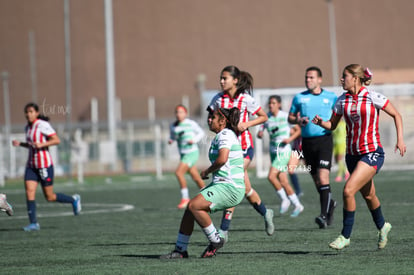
(309, 105)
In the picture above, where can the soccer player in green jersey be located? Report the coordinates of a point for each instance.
(226, 189)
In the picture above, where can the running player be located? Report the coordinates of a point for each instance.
(187, 133)
(360, 108)
(316, 142)
(237, 87)
(280, 153)
(226, 190)
(39, 136)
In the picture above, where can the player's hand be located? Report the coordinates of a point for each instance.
(16, 143)
(190, 142)
(401, 147)
(260, 134)
(303, 121)
(204, 174)
(317, 120)
(170, 141)
(37, 145)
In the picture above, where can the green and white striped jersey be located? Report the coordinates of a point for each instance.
(279, 130)
(185, 131)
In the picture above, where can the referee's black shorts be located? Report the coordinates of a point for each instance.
(318, 152)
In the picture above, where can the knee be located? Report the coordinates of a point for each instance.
(348, 192)
(50, 198)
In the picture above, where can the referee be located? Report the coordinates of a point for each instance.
(317, 142)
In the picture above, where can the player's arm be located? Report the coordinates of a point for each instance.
(222, 158)
(392, 112)
(260, 132)
(294, 135)
(51, 140)
(17, 143)
(329, 124)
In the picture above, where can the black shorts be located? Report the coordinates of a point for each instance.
(318, 152)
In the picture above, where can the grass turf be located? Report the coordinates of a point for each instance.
(101, 241)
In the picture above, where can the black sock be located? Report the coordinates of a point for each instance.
(324, 198)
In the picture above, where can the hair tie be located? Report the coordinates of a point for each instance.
(367, 73)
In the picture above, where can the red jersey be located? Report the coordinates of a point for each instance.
(39, 131)
(247, 106)
(361, 114)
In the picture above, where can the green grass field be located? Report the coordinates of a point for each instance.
(130, 220)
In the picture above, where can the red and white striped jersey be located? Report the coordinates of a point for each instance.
(361, 114)
(39, 131)
(247, 106)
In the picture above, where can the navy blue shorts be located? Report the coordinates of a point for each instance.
(248, 153)
(374, 159)
(42, 175)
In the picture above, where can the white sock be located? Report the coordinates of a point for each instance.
(294, 199)
(282, 194)
(182, 242)
(184, 193)
(211, 233)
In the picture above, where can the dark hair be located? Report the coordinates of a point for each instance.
(36, 108)
(314, 68)
(232, 117)
(245, 80)
(277, 98)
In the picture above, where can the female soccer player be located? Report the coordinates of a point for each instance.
(225, 191)
(187, 133)
(280, 153)
(365, 156)
(39, 136)
(236, 89)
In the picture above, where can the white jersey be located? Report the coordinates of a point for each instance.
(232, 171)
(185, 131)
(39, 131)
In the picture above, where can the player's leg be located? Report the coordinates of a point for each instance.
(195, 175)
(31, 178)
(5, 205)
(291, 194)
(46, 180)
(292, 165)
(273, 178)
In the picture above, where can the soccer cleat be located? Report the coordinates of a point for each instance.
(297, 211)
(212, 248)
(269, 226)
(284, 206)
(382, 235)
(5, 206)
(224, 235)
(330, 215)
(77, 207)
(175, 255)
(340, 243)
(32, 227)
(321, 221)
(183, 203)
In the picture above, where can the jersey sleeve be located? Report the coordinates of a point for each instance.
(338, 107)
(198, 132)
(47, 129)
(380, 101)
(225, 140)
(252, 106)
